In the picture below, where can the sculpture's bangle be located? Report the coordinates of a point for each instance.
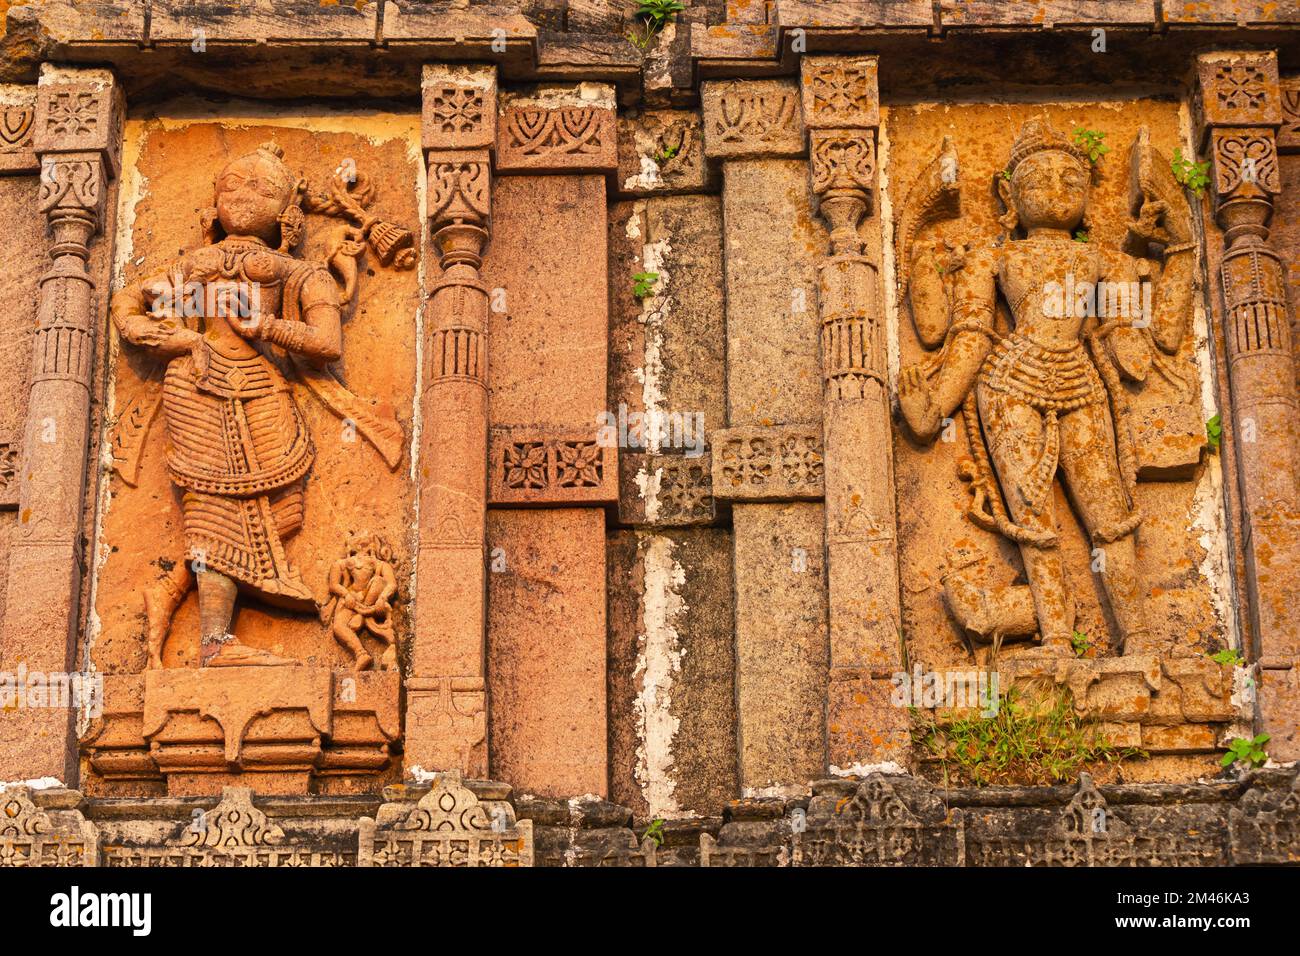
(287, 335)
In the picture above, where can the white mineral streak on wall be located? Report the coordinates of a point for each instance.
(861, 770)
(36, 783)
(655, 310)
(659, 660)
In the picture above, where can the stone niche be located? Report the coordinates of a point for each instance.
(312, 723)
(1163, 694)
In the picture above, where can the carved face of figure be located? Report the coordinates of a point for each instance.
(1049, 190)
(252, 192)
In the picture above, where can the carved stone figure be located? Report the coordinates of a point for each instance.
(362, 585)
(238, 444)
(1051, 393)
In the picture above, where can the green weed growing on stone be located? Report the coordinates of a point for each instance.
(654, 16)
(643, 284)
(1090, 141)
(1195, 176)
(1246, 750)
(1027, 742)
(1214, 432)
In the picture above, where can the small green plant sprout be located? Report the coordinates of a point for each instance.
(643, 284)
(1227, 656)
(665, 154)
(1195, 176)
(1079, 641)
(1247, 751)
(1006, 174)
(1081, 235)
(654, 16)
(1090, 141)
(655, 831)
(1214, 432)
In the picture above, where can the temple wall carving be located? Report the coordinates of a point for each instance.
(550, 449)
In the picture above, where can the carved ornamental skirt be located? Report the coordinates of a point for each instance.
(239, 447)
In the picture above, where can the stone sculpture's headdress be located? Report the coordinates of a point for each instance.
(1038, 135)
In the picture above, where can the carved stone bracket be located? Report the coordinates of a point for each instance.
(768, 463)
(752, 119)
(295, 722)
(547, 467)
(558, 130)
(450, 826)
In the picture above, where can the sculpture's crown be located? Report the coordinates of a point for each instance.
(1038, 135)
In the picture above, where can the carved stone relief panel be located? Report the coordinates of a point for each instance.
(1025, 532)
(262, 398)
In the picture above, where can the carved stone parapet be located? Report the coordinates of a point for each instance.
(450, 826)
(752, 119)
(53, 834)
(558, 130)
(234, 833)
(882, 821)
(768, 463)
(550, 467)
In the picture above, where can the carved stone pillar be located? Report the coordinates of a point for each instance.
(841, 113)
(446, 710)
(1238, 112)
(768, 464)
(77, 137)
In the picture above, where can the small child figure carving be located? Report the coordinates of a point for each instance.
(362, 585)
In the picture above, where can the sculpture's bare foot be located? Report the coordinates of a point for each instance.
(363, 661)
(388, 660)
(234, 654)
